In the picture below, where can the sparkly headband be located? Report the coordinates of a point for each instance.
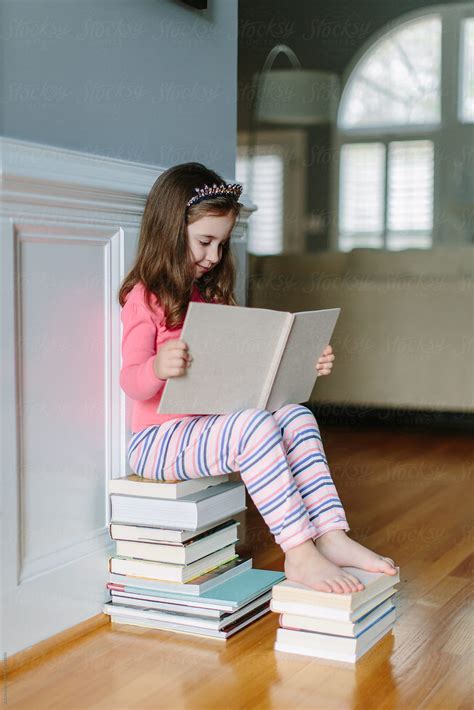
(204, 193)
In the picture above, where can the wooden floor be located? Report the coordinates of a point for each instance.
(408, 495)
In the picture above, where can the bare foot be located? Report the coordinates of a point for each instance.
(340, 549)
(306, 565)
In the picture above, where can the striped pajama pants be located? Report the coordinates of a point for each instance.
(279, 455)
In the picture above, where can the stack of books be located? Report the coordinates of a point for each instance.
(340, 627)
(176, 566)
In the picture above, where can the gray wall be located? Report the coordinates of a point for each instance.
(153, 81)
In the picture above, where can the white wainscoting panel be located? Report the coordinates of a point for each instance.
(69, 229)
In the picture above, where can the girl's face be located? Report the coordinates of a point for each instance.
(206, 237)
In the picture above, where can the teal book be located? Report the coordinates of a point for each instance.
(228, 596)
(246, 586)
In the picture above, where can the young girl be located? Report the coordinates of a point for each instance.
(184, 255)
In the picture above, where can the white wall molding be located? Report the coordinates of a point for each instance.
(39, 177)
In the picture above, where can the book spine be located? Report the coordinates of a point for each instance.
(267, 387)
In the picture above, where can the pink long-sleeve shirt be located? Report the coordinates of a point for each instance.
(143, 333)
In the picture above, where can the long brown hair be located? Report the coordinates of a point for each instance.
(164, 262)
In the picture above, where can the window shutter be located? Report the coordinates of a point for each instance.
(410, 194)
(361, 194)
(467, 71)
(266, 226)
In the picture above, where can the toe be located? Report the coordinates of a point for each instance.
(352, 585)
(344, 584)
(335, 586)
(387, 565)
(358, 586)
(324, 587)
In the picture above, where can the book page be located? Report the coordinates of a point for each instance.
(233, 348)
(294, 381)
(285, 332)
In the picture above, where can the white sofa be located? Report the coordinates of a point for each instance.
(404, 338)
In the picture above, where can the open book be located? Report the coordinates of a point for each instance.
(247, 357)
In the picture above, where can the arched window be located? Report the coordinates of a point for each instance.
(397, 82)
(404, 124)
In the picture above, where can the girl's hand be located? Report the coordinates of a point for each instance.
(172, 359)
(325, 362)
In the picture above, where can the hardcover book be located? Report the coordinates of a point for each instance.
(198, 586)
(247, 357)
(375, 583)
(134, 485)
(209, 505)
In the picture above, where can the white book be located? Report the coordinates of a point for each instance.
(288, 647)
(182, 554)
(330, 626)
(273, 353)
(166, 572)
(374, 583)
(322, 612)
(210, 505)
(187, 618)
(204, 583)
(338, 648)
(134, 485)
(141, 600)
(194, 631)
(148, 533)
